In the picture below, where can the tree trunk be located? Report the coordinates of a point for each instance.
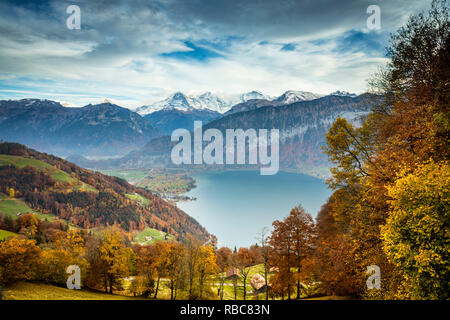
(110, 284)
(298, 289)
(245, 288)
(157, 287)
(267, 282)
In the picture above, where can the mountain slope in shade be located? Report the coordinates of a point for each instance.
(94, 130)
(250, 105)
(302, 126)
(168, 120)
(288, 97)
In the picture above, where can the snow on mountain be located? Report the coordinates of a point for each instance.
(220, 103)
(210, 101)
(292, 96)
(176, 101)
(254, 95)
(343, 94)
(207, 100)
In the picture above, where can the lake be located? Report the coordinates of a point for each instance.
(236, 205)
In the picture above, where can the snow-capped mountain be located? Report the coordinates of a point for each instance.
(211, 101)
(292, 96)
(254, 95)
(343, 94)
(207, 100)
(176, 101)
(221, 103)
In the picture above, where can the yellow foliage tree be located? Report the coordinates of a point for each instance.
(417, 234)
(18, 260)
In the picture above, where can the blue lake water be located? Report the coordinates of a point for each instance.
(236, 205)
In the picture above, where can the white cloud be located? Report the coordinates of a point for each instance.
(117, 52)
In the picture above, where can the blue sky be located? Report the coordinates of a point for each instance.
(135, 52)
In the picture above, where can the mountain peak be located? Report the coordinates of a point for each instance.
(292, 96)
(343, 94)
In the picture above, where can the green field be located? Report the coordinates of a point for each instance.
(138, 198)
(39, 291)
(155, 235)
(171, 182)
(11, 207)
(57, 174)
(6, 234)
(21, 162)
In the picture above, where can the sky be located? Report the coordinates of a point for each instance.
(136, 52)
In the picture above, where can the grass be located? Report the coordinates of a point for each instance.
(84, 187)
(138, 198)
(57, 174)
(40, 291)
(161, 181)
(6, 234)
(155, 235)
(21, 162)
(11, 206)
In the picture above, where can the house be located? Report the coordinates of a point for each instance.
(232, 273)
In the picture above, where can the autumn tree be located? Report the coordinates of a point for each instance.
(19, 260)
(146, 262)
(416, 235)
(67, 249)
(111, 258)
(223, 261)
(407, 127)
(302, 227)
(245, 260)
(206, 267)
(291, 243)
(12, 192)
(175, 270)
(335, 259)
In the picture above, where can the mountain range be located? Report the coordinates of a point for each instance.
(302, 126)
(219, 102)
(108, 130)
(94, 130)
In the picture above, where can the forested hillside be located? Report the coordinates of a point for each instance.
(84, 198)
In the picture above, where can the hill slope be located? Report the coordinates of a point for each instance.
(53, 186)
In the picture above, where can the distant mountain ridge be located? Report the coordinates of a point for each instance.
(221, 103)
(94, 130)
(302, 125)
(168, 120)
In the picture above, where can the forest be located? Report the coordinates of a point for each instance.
(390, 207)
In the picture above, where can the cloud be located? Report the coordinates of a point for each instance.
(139, 51)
